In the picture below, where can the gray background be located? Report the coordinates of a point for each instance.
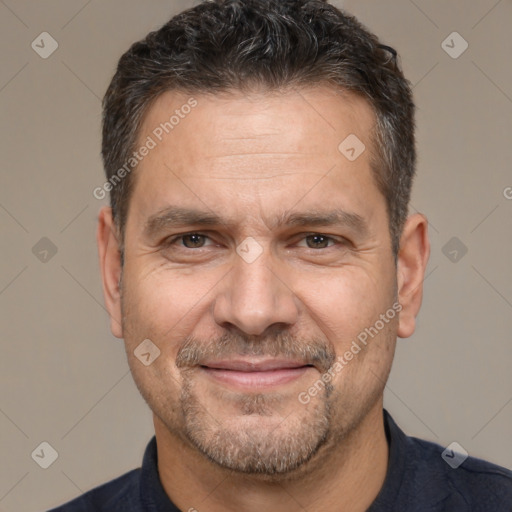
(64, 377)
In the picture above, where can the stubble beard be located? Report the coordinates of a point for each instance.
(259, 439)
(270, 445)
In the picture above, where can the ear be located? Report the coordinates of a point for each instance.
(412, 262)
(110, 265)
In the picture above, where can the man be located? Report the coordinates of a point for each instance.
(259, 263)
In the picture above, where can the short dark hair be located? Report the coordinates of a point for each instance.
(223, 45)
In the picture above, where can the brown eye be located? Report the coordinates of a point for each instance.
(317, 241)
(193, 240)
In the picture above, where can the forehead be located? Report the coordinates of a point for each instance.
(268, 149)
(321, 114)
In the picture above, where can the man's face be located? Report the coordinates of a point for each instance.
(256, 252)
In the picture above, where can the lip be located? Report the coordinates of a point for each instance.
(251, 374)
(254, 365)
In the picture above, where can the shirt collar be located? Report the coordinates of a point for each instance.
(152, 495)
(396, 465)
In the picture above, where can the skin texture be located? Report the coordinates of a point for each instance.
(253, 159)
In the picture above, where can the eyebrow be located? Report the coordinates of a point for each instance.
(173, 217)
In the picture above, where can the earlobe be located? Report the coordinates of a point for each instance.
(110, 266)
(412, 262)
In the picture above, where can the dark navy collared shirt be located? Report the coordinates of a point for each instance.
(418, 480)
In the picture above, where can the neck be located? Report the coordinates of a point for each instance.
(345, 474)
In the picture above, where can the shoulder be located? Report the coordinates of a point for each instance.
(461, 479)
(425, 476)
(118, 495)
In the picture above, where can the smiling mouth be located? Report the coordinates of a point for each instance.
(255, 374)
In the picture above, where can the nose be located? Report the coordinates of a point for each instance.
(254, 297)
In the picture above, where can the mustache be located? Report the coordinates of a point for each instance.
(311, 351)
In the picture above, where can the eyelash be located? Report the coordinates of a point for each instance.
(172, 240)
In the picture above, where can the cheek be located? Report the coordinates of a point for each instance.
(164, 305)
(343, 302)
